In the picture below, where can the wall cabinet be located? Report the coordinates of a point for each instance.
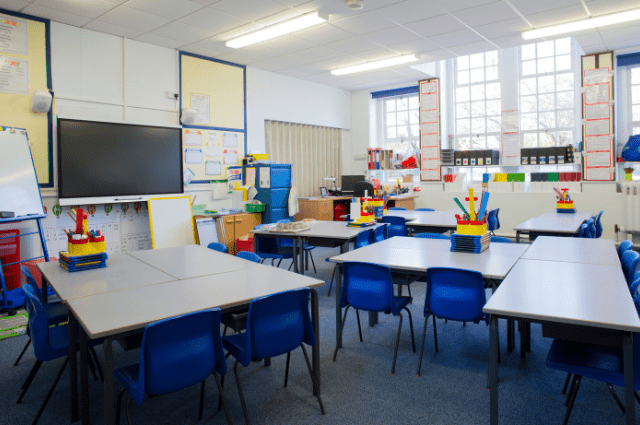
(235, 226)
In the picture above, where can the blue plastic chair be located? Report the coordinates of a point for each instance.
(247, 255)
(493, 222)
(582, 232)
(217, 246)
(380, 233)
(635, 284)
(236, 317)
(397, 226)
(590, 230)
(277, 324)
(500, 239)
(49, 343)
(593, 361)
(176, 353)
(630, 260)
(396, 209)
(424, 209)
(369, 287)
(452, 294)
(598, 221)
(362, 239)
(284, 242)
(10, 300)
(624, 246)
(427, 235)
(271, 248)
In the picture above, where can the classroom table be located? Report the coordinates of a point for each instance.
(427, 221)
(574, 250)
(581, 302)
(494, 263)
(553, 223)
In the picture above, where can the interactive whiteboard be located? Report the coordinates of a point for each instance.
(171, 222)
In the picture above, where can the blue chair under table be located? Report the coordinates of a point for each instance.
(362, 239)
(397, 226)
(425, 209)
(10, 300)
(500, 239)
(247, 255)
(598, 221)
(493, 222)
(306, 248)
(633, 287)
(49, 343)
(630, 260)
(176, 353)
(277, 324)
(396, 209)
(590, 231)
(427, 235)
(452, 294)
(217, 246)
(624, 246)
(593, 361)
(369, 287)
(380, 233)
(267, 247)
(236, 317)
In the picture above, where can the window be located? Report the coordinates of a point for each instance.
(547, 106)
(635, 101)
(477, 101)
(401, 122)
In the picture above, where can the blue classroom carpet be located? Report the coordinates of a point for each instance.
(357, 389)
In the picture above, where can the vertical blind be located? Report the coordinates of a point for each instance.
(312, 151)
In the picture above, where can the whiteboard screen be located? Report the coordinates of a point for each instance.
(19, 191)
(171, 222)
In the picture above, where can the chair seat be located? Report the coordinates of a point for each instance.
(282, 252)
(56, 312)
(309, 247)
(12, 299)
(128, 377)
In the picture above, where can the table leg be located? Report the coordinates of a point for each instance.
(523, 339)
(84, 379)
(493, 369)
(517, 236)
(627, 359)
(315, 353)
(44, 289)
(301, 267)
(510, 335)
(343, 248)
(109, 408)
(295, 255)
(73, 365)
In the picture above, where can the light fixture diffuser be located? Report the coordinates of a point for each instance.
(585, 24)
(385, 63)
(277, 30)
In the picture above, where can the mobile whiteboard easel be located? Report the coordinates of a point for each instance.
(171, 222)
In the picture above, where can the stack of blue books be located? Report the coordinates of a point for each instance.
(470, 243)
(76, 263)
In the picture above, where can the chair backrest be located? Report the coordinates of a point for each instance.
(633, 287)
(624, 246)
(277, 324)
(590, 231)
(424, 209)
(247, 255)
(427, 235)
(367, 286)
(583, 230)
(500, 239)
(38, 325)
(397, 226)
(360, 187)
(363, 238)
(630, 260)
(455, 294)
(180, 351)
(31, 281)
(492, 220)
(284, 242)
(264, 245)
(380, 233)
(396, 209)
(217, 246)
(598, 220)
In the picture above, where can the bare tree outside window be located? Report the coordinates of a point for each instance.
(401, 122)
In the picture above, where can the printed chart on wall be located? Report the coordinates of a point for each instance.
(429, 130)
(597, 116)
(510, 135)
(208, 153)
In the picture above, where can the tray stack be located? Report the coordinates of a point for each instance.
(76, 263)
(470, 243)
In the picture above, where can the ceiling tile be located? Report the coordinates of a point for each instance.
(410, 11)
(56, 15)
(134, 19)
(393, 35)
(285, 15)
(589, 39)
(528, 7)
(88, 8)
(622, 34)
(407, 71)
(436, 26)
(241, 30)
(455, 5)
(323, 34)
(341, 62)
(457, 38)
(375, 54)
(247, 55)
(281, 62)
(596, 48)
(293, 72)
(352, 45)
(471, 48)
(14, 5)
(510, 41)
(437, 55)
(603, 7)
(291, 3)
(287, 44)
(209, 47)
(206, 2)
(364, 23)
(417, 46)
(320, 78)
(503, 28)
(159, 41)
(249, 10)
(112, 29)
(183, 33)
(486, 14)
(311, 69)
(212, 20)
(318, 53)
(336, 9)
(170, 9)
(557, 16)
(622, 44)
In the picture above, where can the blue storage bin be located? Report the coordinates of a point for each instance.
(280, 175)
(280, 198)
(278, 214)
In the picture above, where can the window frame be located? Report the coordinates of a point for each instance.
(399, 140)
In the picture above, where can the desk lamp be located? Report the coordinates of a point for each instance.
(332, 179)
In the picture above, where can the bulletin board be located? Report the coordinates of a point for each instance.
(430, 129)
(217, 91)
(29, 52)
(598, 117)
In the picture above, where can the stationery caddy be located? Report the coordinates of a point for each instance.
(85, 249)
(471, 231)
(565, 203)
(76, 263)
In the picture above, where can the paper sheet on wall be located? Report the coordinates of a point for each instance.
(597, 143)
(428, 87)
(597, 127)
(429, 152)
(200, 102)
(511, 144)
(596, 76)
(230, 158)
(596, 94)
(193, 156)
(250, 176)
(430, 174)
(230, 140)
(213, 136)
(14, 35)
(509, 122)
(597, 111)
(598, 159)
(430, 164)
(429, 116)
(429, 102)
(192, 138)
(212, 168)
(430, 140)
(14, 75)
(214, 151)
(598, 173)
(429, 128)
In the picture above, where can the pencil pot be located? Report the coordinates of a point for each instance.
(78, 247)
(97, 245)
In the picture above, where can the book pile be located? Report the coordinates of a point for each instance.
(470, 243)
(76, 263)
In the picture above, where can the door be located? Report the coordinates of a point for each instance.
(229, 233)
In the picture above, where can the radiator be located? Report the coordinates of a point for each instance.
(631, 196)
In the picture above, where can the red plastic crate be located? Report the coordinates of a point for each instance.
(33, 268)
(244, 243)
(10, 253)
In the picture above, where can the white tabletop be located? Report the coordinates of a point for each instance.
(185, 262)
(425, 244)
(122, 272)
(555, 223)
(116, 312)
(580, 294)
(323, 229)
(574, 250)
(446, 219)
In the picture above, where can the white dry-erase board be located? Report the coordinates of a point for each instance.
(171, 222)
(207, 231)
(19, 191)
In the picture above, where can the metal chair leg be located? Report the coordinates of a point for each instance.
(313, 379)
(312, 262)
(395, 354)
(577, 379)
(435, 333)
(29, 380)
(344, 318)
(413, 341)
(286, 371)
(224, 332)
(201, 407)
(244, 405)
(53, 387)
(290, 265)
(24, 350)
(222, 397)
(424, 334)
(359, 328)
(615, 397)
(129, 411)
(97, 361)
(92, 366)
(119, 405)
(566, 384)
(332, 276)
(279, 263)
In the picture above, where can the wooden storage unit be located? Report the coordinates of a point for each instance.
(404, 202)
(318, 208)
(237, 226)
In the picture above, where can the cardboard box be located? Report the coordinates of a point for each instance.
(457, 156)
(533, 156)
(465, 158)
(542, 156)
(524, 156)
(560, 154)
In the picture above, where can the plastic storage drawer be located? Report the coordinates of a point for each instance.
(279, 198)
(280, 175)
(279, 214)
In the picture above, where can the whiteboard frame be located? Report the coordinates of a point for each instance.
(160, 224)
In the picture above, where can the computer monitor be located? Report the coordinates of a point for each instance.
(349, 182)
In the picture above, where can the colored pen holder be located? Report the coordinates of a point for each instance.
(87, 246)
(471, 227)
(565, 207)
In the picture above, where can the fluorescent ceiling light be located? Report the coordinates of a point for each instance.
(585, 24)
(296, 24)
(385, 63)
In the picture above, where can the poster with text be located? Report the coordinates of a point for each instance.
(14, 75)
(14, 35)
